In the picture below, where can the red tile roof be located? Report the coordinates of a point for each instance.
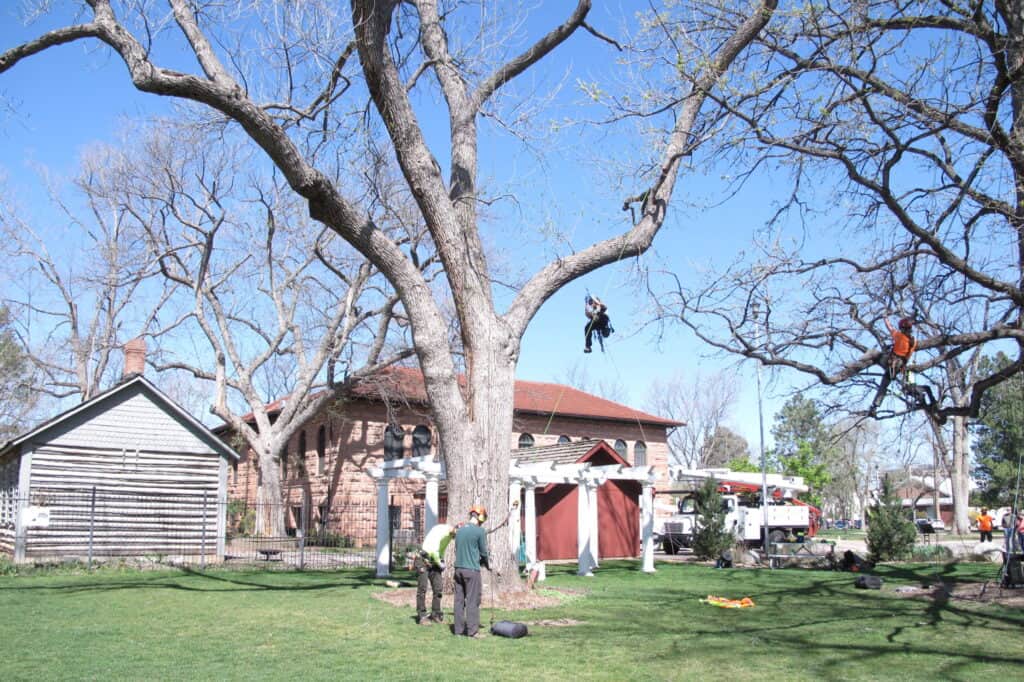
(531, 397)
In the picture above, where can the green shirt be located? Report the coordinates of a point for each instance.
(436, 542)
(470, 546)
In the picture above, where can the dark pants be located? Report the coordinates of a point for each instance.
(597, 325)
(467, 601)
(986, 536)
(428, 577)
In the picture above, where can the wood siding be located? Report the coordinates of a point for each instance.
(147, 502)
(130, 420)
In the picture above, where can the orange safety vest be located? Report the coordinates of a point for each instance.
(902, 345)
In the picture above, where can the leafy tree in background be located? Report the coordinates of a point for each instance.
(723, 446)
(710, 536)
(742, 464)
(16, 396)
(890, 533)
(1000, 436)
(804, 445)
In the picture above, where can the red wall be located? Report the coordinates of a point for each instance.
(618, 517)
(618, 514)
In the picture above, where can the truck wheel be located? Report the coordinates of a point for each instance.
(776, 536)
(668, 546)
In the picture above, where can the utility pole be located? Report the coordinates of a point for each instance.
(755, 310)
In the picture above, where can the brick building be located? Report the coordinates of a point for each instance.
(387, 419)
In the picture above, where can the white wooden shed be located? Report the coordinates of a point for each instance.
(126, 473)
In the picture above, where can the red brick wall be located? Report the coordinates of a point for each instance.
(355, 442)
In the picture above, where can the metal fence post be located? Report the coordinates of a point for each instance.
(202, 547)
(303, 522)
(92, 523)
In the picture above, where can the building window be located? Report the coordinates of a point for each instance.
(421, 441)
(621, 448)
(394, 442)
(234, 472)
(525, 440)
(300, 456)
(323, 513)
(321, 450)
(284, 465)
(562, 440)
(640, 454)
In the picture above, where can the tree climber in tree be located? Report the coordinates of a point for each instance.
(597, 322)
(903, 346)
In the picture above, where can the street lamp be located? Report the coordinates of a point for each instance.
(755, 310)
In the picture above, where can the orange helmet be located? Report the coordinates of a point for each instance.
(906, 323)
(479, 510)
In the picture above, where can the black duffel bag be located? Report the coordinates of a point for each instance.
(508, 628)
(868, 582)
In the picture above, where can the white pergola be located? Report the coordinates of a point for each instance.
(526, 477)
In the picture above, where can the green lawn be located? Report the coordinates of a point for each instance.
(807, 625)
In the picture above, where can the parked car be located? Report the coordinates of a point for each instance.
(936, 524)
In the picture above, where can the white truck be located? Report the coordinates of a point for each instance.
(787, 516)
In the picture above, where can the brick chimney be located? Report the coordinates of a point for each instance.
(134, 358)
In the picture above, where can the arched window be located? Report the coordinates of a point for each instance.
(300, 456)
(421, 441)
(621, 448)
(640, 454)
(321, 450)
(525, 440)
(562, 440)
(394, 442)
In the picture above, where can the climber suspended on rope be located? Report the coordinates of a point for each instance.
(903, 346)
(597, 322)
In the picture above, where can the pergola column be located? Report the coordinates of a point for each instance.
(531, 523)
(383, 530)
(595, 524)
(430, 504)
(647, 526)
(515, 525)
(584, 534)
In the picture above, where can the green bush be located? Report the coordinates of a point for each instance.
(710, 538)
(891, 534)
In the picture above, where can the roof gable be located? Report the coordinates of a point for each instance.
(133, 414)
(576, 452)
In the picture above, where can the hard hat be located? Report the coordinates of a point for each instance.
(479, 510)
(906, 323)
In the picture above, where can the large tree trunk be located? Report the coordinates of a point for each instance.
(959, 478)
(475, 434)
(270, 508)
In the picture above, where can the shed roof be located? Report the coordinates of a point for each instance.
(565, 453)
(137, 383)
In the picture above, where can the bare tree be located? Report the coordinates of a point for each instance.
(703, 403)
(906, 118)
(276, 308)
(407, 52)
(77, 290)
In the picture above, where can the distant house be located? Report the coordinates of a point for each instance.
(618, 503)
(387, 418)
(127, 473)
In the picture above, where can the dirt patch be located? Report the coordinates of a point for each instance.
(979, 593)
(405, 597)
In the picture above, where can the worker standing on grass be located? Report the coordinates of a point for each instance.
(429, 565)
(470, 555)
(985, 525)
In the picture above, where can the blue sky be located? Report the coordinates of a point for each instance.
(59, 102)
